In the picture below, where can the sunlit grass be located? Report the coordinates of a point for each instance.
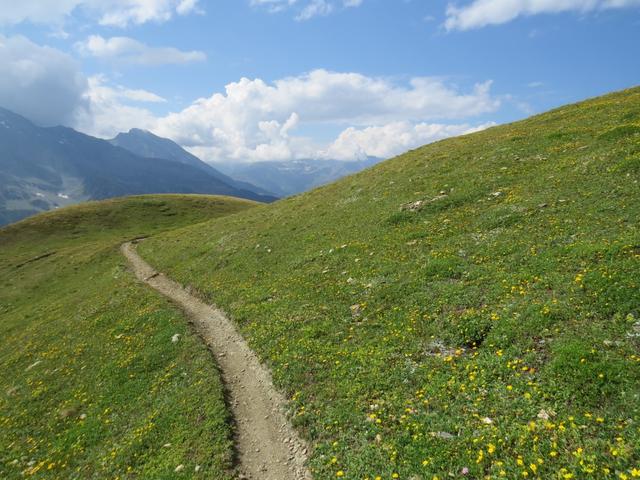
(92, 385)
(492, 333)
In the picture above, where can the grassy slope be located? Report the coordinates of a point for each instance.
(496, 329)
(81, 337)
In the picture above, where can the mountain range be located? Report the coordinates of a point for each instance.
(43, 168)
(285, 178)
(46, 168)
(145, 144)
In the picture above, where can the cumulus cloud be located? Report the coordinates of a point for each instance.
(115, 108)
(253, 120)
(118, 13)
(39, 82)
(481, 13)
(128, 50)
(47, 86)
(392, 139)
(306, 9)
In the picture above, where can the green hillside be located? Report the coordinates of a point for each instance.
(92, 385)
(472, 304)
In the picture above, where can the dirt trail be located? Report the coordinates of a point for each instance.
(268, 448)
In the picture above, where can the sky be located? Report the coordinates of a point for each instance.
(255, 80)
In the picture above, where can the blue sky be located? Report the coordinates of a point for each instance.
(323, 78)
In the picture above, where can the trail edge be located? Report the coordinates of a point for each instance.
(267, 446)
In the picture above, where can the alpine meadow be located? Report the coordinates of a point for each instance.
(97, 388)
(319, 240)
(469, 306)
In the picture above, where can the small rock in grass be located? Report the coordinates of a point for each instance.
(413, 206)
(68, 412)
(175, 338)
(198, 468)
(487, 421)
(356, 310)
(544, 415)
(445, 435)
(179, 468)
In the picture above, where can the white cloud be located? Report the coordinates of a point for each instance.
(139, 95)
(392, 139)
(253, 120)
(111, 111)
(185, 7)
(40, 82)
(306, 9)
(481, 13)
(119, 13)
(128, 50)
(273, 6)
(315, 8)
(48, 87)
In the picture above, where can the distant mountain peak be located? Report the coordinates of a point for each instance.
(146, 144)
(290, 177)
(12, 118)
(140, 131)
(134, 132)
(43, 168)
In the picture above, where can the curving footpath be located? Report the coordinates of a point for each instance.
(267, 446)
